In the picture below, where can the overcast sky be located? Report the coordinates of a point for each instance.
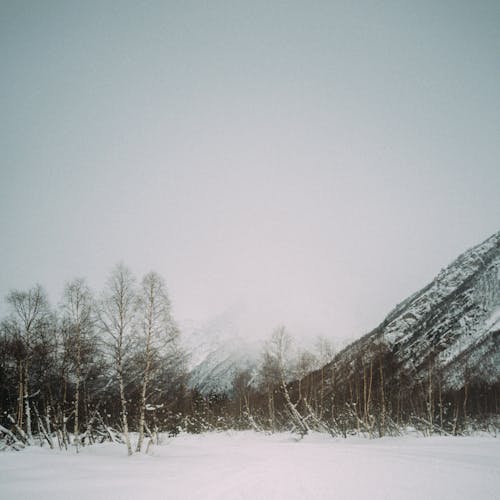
(315, 162)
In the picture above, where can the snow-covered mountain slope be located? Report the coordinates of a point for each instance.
(219, 350)
(228, 345)
(452, 324)
(217, 371)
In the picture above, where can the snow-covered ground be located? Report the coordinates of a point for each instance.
(246, 465)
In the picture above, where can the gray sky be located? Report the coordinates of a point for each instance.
(316, 161)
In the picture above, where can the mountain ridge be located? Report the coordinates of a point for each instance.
(455, 317)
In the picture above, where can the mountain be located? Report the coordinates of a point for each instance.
(218, 350)
(227, 345)
(452, 325)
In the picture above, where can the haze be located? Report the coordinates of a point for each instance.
(315, 162)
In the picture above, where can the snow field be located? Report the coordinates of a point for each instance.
(247, 465)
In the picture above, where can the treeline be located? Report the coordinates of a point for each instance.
(364, 392)
(92, 368)
(98, 367)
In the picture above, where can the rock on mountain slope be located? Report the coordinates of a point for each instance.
(452, 324)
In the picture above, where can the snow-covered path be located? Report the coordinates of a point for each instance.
(246, 465)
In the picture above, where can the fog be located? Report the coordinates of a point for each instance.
(310, 164)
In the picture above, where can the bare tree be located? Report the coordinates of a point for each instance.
(325, 352)
(278, 348)
(28, 309)
(116, 316)
(306, 362)
(77, 307)
(242, 387)
(156, 331)
(269, 377)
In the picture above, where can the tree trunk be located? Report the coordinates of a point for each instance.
(147, 368)
(20, 397)
(440, 406)
(430, 403)
(466, 397)
(77, 387)
(368, 405)
(270, 407)
(142, 416)
(382, 400)
(124, 408)
(27, 409)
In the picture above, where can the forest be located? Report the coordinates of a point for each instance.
(99, 367)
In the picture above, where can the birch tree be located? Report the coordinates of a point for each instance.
(269, 377)
(324, 352)
(116, 316)
(156, 330)
(28, 309)
(77, 307)
(278, 349)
